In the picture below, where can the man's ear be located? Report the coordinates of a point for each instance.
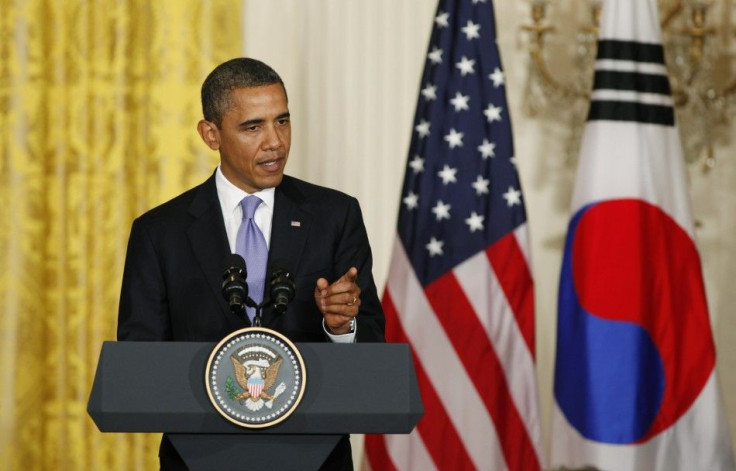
(209, 133)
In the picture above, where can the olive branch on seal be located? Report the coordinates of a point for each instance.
(231, 388)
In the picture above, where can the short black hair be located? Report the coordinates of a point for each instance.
(235, 73)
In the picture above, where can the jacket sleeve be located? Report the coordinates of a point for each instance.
(143, 309)
(353, 249)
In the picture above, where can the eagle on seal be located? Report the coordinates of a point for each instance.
(255, 373)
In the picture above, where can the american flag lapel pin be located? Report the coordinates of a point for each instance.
(296, 224)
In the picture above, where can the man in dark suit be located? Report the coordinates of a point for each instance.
(172, 283)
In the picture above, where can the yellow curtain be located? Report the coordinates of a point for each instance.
(98, 106)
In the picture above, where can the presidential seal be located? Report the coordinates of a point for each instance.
(255, 377)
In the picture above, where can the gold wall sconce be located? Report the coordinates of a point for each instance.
(698, 39)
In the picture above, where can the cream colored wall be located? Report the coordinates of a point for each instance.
(352, 69)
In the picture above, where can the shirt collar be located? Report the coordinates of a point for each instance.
(230, 195)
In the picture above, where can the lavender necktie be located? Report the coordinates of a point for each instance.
(251, 244)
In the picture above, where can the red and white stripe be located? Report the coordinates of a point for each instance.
(472, 335)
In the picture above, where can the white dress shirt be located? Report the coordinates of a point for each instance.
(230, 197)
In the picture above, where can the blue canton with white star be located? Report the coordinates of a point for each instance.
(461, 189)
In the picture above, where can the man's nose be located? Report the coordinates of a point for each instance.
(273, 139)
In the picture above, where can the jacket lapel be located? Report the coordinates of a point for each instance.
(289, 231)
(210, 246)
(209, 240)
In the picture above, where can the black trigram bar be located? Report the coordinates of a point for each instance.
(631, 111)
(634, 81)
(630, 51)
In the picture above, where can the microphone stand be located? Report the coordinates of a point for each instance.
(258, 307)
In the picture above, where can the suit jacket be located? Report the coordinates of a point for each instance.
(172, 281)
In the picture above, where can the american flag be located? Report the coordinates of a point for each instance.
(460, 290)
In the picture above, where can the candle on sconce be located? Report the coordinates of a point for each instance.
(538, 10)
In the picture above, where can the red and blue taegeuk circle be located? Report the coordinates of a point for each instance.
(634, 346)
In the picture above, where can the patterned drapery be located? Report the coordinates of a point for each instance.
(98, 109)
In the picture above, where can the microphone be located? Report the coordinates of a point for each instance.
(234, 287)
(283, 288)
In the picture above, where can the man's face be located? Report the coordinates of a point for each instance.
(254, 138)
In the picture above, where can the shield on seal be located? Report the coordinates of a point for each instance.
(255, 386)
